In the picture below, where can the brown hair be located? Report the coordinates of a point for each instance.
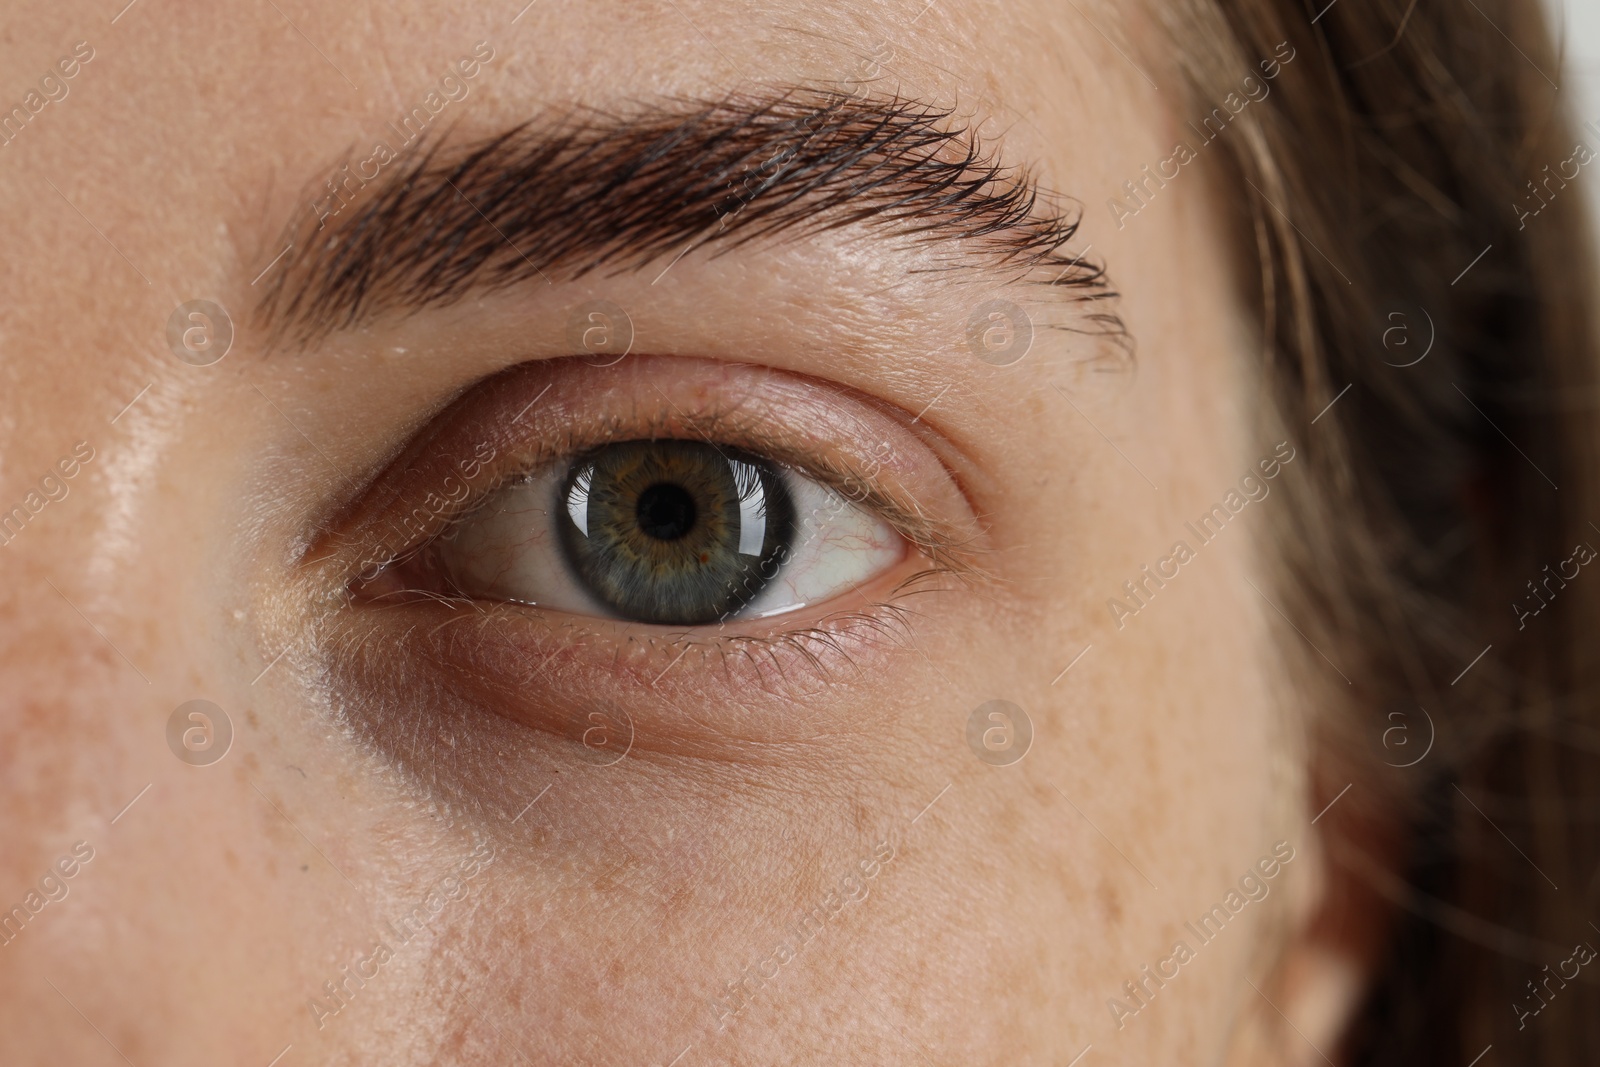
(1397, 177)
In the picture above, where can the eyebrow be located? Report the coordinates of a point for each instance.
(556, 199)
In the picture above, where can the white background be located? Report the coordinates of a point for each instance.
(1576, 24)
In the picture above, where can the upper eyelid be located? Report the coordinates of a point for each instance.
(856, 485)
(732, 418)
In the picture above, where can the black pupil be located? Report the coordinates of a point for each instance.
(666, 512)
(679, 533)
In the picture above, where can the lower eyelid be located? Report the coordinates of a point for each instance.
(710, 698)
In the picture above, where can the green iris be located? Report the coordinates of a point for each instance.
(675, 532)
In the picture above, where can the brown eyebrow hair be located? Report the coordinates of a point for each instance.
(557, 198)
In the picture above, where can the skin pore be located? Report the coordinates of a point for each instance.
(395, 753)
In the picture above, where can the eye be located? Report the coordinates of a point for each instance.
(666, 532)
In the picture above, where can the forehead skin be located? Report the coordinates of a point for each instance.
(221, 901)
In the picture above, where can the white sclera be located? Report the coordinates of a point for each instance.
(509, 548)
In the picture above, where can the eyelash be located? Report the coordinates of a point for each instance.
(948, 554)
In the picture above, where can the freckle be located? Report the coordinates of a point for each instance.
(250, 717)
(1110, 902)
